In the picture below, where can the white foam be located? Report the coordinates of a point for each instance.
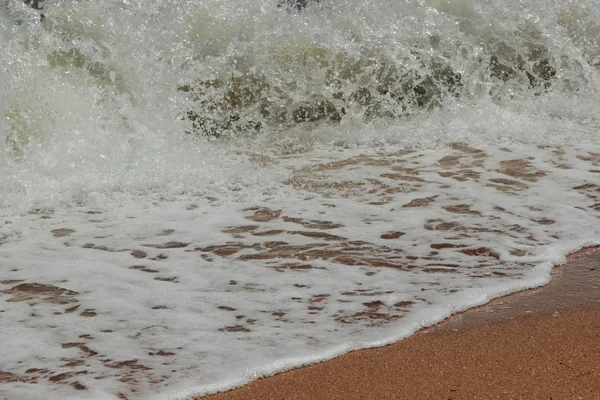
(96, 167)
(96, 259)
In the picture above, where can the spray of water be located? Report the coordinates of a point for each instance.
(363, 167)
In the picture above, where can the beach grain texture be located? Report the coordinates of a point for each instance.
(537, 344)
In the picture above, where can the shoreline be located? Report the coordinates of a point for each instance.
(537, 343)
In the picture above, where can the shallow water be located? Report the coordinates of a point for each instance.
(196, 194)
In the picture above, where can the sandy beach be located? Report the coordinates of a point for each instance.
(537, 344)
(242, 199)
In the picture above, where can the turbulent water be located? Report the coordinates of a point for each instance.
(194, 194)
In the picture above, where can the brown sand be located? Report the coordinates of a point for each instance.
(538, 344)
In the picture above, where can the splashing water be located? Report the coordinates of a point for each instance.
(194, 194)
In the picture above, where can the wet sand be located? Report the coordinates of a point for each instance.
(538, 344)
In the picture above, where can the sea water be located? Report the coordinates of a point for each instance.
(195, 194)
